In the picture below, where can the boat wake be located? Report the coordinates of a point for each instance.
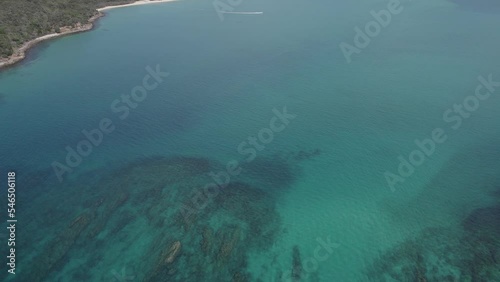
(244, 13)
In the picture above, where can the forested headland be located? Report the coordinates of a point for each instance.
(25, 20)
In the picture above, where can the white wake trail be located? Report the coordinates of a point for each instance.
(244, 13)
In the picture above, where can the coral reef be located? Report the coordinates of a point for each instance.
(57, 249)
(141, 204)
(446, 254)
(155, 216)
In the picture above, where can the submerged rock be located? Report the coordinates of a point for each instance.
(56, 249)
(296, 264)
(229, 243)
(173, 252)
(239, 277)
(207, 238)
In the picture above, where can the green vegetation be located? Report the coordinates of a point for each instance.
(24, 20)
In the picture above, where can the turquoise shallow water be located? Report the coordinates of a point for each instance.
(127, 213)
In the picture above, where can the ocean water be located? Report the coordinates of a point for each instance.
(312, 203)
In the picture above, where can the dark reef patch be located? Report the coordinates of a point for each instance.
(272, 172)
(303, 155)
(296, 264)
(140, 204)
(445, 254)
(278, 171)
(484, 220)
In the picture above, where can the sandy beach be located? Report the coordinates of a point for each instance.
(141, 2)
(20, 53)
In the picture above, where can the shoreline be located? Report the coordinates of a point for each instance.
(136, 3)
(20, 53)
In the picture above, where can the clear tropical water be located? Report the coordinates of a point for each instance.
(127, 213)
